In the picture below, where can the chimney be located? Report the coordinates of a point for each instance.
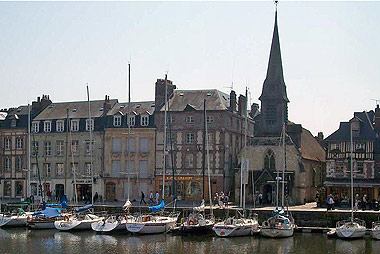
(377, 118)
(242, 105)
(40, 104)
(106, 105)
(160, 92)
(254, 110)
(232, 101)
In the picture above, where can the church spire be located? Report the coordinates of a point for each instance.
(274, 84)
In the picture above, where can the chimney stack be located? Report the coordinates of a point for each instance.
(106, 105)
(40, 104)
(232, 101)
(377, 118)
(160, 92)
(242, 107)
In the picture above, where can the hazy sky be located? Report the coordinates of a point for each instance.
(330, 52)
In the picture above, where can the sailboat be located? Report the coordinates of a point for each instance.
(17, 219)
(239, 225)
(155, 222)
(375, 230)
(280, 224)
(354, 227)
(197, 222)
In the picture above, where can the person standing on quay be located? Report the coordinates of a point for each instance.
(142, 198)
(157, 197)
(151, 201)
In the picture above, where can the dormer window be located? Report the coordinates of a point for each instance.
(144, 121)
(35, 127)
(47, 126)
(355, 125)
(60, 126)
(117, 120)
(131, 120)
(210, 119)
(189, 119)
(13, 123)
(74, 125)
(89, 124)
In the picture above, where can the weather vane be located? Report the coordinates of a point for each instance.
(276, 3)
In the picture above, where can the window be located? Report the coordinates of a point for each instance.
(130, 168)
(143, 168)
(74, 168)
(116, 120)
(35, 148)
(7, 164)
(360, 147)
(60, 147)
(131, 145)
(339, 167)
(19, 163)
(189, 119)
(144, 142)
(116, 145)
(209, 119)
(144, 121)
(131, 120)
(19, 185)
(35, 127)
(170, 119)
(270, 116)
(115, 169)
(360, 167)
(335, 147)
(74, 125)
(209, 138)
(75, 147)
(34, 170)
(47, 167)
(7, 143)
(47, 126)
(89, 124)
(189, 161)
(47, 148)
(189, 138)
(19, 143)
(13, 123)
(33, 188)
(60, 126)
(87, 167)
(7, 188)
(60, 169)
(88, 151)
(269, 161)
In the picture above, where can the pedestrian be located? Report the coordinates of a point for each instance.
(260, 198)
(330, 203)
(142, 198)
(221, 199)
(157, 197)
(226, 200)
(151, 201)
(216, 199)
(364, 203)
(96, 196)
(317, 199)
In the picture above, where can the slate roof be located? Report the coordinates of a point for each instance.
(366, 128)
(215, 100)
(21, 110)
(78, 109)
(139, 108)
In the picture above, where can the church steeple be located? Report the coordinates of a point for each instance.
(274, 100)
(274, 84)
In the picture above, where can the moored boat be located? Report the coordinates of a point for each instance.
(236, 227)
(44, 219)
(78, 220)
(14, 220)
(375, 230)
(350, 229)
(278, 226)
(111, 223)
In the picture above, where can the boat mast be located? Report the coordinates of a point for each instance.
(208, 167)
(278, 176)
(129, 129)
(90, 125)
(204, 149)
(28, 189)
(171, 153)
(67, 150)
(164, 149)
(245, 145)
(73, 169)
(283, 169)
(352, 179)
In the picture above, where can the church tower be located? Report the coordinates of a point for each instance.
(274, 100)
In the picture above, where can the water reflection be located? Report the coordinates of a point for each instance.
(350, 246)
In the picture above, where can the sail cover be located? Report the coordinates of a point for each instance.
(157, 207)
(49, 212)
(84, 208)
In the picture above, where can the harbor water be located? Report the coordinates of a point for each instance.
(16, 241)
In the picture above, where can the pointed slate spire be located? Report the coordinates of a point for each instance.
(274, 84)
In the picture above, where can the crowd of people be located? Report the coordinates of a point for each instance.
(362, 202)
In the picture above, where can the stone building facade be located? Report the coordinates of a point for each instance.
(185, 140)
(134, 158)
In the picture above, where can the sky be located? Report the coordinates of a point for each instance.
(330, 52)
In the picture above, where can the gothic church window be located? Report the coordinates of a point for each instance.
(269, 160)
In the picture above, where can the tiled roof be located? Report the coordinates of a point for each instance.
(310, 147)
(138, 108)
(215, 100)
(77, 109)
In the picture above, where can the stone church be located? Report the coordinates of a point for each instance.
(302, 157)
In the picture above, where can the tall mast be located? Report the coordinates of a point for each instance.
(165, 121)
(245, 144)
(278, 175)
(90, 127)
(208, 170)
(28, 190)
(204, 149)
(283, 169)
(129, 128)
(67, 150)
(352, 179)
(171, 153)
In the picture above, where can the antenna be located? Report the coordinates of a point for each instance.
(376, 101)
(231, 87)
(276, 3)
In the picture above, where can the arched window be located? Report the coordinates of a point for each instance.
(269, 161)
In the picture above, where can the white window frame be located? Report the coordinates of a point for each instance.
(189, 138)
(47, 126)
(144, 120)
(35, 126)
(60, 126)
(60, 168)
(47, 148)
(19, 162)
(88, 151)
(117, 120)
(19, 143)
(7, 164)
(87, 168)
(189, 119)
(48, 169)
(74, 148)
(60, 145)
(132, 120)
(7, 143)
(74, 125)
(89, 124)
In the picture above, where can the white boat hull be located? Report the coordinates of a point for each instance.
(13, 221)
(151, 227)
(232, 230)
(277, 232)
(75, 224)
(349, 233)
(41, 225)
(108, 226)
(375, 234)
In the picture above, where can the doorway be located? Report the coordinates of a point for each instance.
(110, 191)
